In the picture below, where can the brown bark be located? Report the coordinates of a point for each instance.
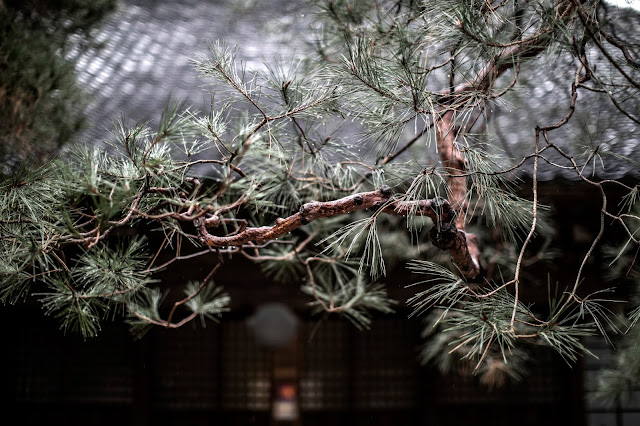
(452, 159)
(454, 164)
(444, 235)
(449, 216)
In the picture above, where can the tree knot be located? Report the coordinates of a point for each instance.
(386, 190)
(443, 209)
(305, 209)
(445, 236)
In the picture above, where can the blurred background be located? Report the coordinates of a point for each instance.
(69, 69)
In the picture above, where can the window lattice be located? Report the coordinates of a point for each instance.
(344, 368)
(245, 376)
(387, 370)
(325, 374)
(53, 368)
(187, 368)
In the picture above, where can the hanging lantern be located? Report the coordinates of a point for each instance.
(274, 325)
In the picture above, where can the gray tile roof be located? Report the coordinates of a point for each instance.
(148, 45)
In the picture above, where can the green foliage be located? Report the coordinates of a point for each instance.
(41, 104)
(494, 367)
(144, 311)
(29, 200)
(347, 239)
(398, 109)
(208, 301)
(48, 208)
(356, 300)
(616, 383)
(449, 290)
(98, 281)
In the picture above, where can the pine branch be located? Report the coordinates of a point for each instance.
(462, 246)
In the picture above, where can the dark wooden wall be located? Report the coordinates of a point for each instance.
(220, 376)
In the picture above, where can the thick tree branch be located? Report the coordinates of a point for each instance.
(451, 157)
(462, 246)
(508, 57)
(454, 164)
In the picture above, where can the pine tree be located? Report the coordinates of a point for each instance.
(41, 104)
(386, 136)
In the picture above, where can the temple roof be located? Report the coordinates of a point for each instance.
(147, 47)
